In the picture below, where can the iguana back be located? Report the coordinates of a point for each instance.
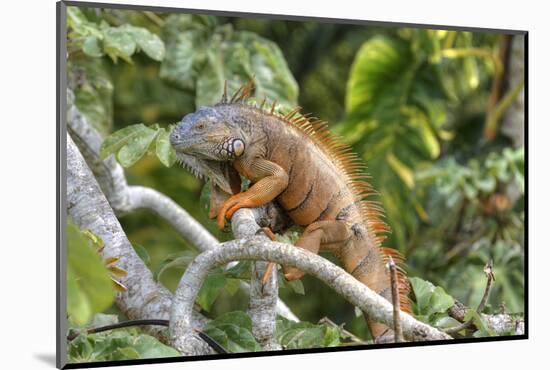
(316, 179)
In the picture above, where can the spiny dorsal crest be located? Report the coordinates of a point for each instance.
(349, 165)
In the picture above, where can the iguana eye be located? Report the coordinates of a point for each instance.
(238, 147)
(199, 126)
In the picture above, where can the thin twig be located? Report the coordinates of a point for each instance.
(488, 269)
(397, 331)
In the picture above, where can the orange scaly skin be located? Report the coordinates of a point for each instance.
(319, 183)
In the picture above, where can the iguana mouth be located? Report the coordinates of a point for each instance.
(217, 172)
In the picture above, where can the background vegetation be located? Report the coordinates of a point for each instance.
(417, 105)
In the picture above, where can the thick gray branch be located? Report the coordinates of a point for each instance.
(379, 309)
(124, 198)
(263, 298)
(89, 209)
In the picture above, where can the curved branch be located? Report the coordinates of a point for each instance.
(89, 209)
(124, 198)
(379, 309)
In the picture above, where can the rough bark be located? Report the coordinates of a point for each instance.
(89, 209)
(184, 339)
(501, 324)
(263, 298)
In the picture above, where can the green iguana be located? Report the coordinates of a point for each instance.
(295, 161)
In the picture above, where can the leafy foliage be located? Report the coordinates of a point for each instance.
(132, 142)
(233, 331)
(97, 40)
(116, 345)
(203, 55)
(89, 287)
(294, 335)
(399, 104)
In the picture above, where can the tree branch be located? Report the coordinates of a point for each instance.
(263, 297)
(89, 209)
(181, 333)
(124, 198)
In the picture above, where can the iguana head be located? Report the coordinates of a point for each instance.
(206, 142)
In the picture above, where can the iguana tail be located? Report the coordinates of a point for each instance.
(371, 270)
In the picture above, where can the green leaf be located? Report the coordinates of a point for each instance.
(242, 270)
(142, 253)
(150, 347)
(126, 353)
(440, 301)
(297, 286)
(102, 319)
(90, 289)
(232, 286)
(147, 41)
(118, 42)
(201, 56)
(178, 260)
(78, 305)
(295, 335)
(446, 322)
(211, 289)
(233, 331)
(423, 292)
(165, 152)
(91, 47)
(114, 142)
(136, 147)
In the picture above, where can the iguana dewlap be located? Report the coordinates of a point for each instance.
(295, 161)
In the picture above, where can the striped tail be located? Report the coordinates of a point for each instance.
(371, 270)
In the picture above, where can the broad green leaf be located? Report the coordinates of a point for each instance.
(118, 42)
(89, 282)
(126, 353)
(136, 148)
(423, 292)
(440, 301)
(211, 289)
(201, 56)
(165, 152)
(114, 142)
(147, 41)
(242, 270)
(178, 260)
(233, 331)
(238, 318)
(142, 253)
(232, 285)
(78, 305)
(102, 319)
(150, 347)
(297, 286)
(295, 335)
(92, 47)
(446, 322)
(184, 37)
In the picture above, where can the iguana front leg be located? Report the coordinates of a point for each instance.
(269, 181)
